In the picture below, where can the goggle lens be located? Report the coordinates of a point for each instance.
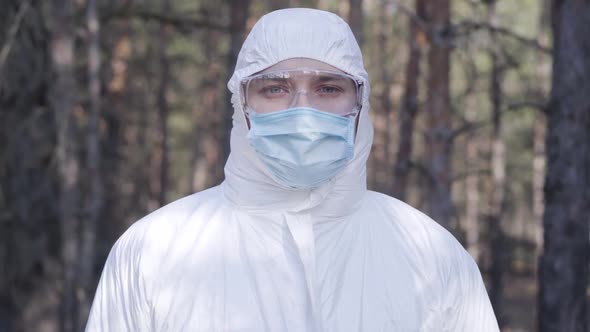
(323, 90)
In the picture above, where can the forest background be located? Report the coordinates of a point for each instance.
(111, 109)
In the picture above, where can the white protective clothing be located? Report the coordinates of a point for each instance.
(253, 255)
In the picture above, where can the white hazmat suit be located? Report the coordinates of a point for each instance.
(254, 255)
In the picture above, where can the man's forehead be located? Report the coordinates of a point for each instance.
(297, 63)
(303, 74)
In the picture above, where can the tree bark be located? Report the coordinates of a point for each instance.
(207, 159)
(539, 134)
(355, 19)
(439, 139)
(564, 264)
(472, 185)
(29, 203)
(94, 201)
(161, 156)
(380, 176)
(498, 167)
(538, 179)
(62, 98)
(382, 166)
(12, 32)
(409, 108)
(278, 4)
(303, 3)
(239, 10)
(123, 178)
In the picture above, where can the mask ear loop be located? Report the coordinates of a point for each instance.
(360, 99)
(243, 104)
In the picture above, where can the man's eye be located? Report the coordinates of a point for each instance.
(275, 89)
(329, 89)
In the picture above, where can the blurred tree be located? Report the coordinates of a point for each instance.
(409, 107)
(303, 3)
(28, 184)
(207, 157)
(539, 134)
(471, 224)
(239, 10)
(122, 177)
(160, 155)
(94, 197)
(278, 4)
(381, 86)
(564, 264)
(498, 167)
(439, 135)
(355, 19)
(63, 101)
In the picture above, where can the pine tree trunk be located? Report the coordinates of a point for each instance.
(472, 185)
(498, 181)
(117, 115)
(239, 10)
(94, 201)
(303, 3)
(161, 179)
(409, 108)
(439, 133)
(385, 27)
(564, 264)
(207, 159)
(379, 159)
(62, 98)
(538, 179)
(355, 19)
(278, 4)
(539, 133)
(29, 184)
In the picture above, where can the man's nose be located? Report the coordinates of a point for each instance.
(301, 99)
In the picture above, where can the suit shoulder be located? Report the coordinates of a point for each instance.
(162, 224)
(417, 230)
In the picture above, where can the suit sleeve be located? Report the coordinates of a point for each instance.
(120, 303)
(469, 306)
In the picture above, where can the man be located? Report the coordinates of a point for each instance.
(292, 240)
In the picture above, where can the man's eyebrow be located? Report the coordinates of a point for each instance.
(326, 78)
(269, 80)
(318, 78)
(273, 78)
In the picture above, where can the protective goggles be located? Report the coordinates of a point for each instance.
(327, 91)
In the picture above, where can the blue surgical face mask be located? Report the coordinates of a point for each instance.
(301, 146)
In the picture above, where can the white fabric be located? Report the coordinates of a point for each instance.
(252, 255)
